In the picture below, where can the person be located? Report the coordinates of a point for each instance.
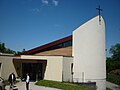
(12, 79)
(27, 81)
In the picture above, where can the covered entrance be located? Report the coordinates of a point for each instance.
(35, 68)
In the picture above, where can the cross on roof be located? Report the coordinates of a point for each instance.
(99, 9)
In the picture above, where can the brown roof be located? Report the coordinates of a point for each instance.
(43, 47)
(66, 51)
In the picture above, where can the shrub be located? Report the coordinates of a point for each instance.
(113, 78)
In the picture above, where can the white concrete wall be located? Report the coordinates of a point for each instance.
(53, 69)
(89, 52)
(67, 76)
(7, 66)
(54, 66)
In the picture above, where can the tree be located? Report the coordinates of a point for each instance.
(113, 62)
(115, 51)
(3, 49)
(23, 50)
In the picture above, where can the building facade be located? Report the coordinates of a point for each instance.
(76, 58)
(89, 53)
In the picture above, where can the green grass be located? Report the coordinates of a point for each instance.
(113, 78)
(6, 82)
(108, 89)
(61, 85)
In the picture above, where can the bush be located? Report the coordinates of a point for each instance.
(112, 65)
(113, 78)
(115, 72)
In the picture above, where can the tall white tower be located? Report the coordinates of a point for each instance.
(89, 57)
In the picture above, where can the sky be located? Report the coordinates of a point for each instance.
(26, 24)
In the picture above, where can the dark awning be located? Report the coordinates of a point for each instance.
(29, 60)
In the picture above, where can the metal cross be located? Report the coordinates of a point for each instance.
(99, 9)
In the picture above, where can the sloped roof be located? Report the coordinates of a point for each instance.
(66, 51)
(43, 47)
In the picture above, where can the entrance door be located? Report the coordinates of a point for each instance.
(40, 71)
(33, 69)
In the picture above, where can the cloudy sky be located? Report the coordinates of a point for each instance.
(31, 23)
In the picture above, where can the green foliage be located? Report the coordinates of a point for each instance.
(108, 89)
(6, 82)
(113, 78)
(115, 51)
(59, 85)
(3, 49)
(113, 62)
(112, 65)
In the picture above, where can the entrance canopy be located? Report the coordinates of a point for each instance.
(35, 67)
(30, 60)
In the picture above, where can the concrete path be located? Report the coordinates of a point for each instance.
(21, 86)
(112, 86)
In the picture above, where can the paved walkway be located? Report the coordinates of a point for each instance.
(112, 86)
(21, 86)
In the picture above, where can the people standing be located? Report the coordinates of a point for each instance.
(12, 79)
(27, 81)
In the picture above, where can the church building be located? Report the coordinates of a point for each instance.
(79, 57)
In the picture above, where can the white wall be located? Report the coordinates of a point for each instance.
(67, 76)
(89, 52)
(53, 68)
(7, 66)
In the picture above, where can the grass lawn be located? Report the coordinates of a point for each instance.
(6, 82)
(61, 85)
(108, 89)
